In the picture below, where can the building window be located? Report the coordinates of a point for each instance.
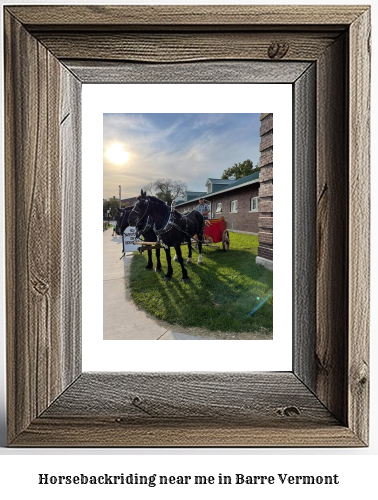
(219, 208)
(255, 204)
(234, 206)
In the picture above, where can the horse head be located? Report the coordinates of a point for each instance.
(140, 209)
(118, 217)
(122, 219)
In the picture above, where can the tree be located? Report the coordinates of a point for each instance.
(240, 170)
(149, 188)
(166, 189)
(112, 204)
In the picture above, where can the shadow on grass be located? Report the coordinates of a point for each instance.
(219, 295)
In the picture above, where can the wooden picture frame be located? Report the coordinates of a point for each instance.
(324, 52)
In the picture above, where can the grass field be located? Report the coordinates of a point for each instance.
(219, 295)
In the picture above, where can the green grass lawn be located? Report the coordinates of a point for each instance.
(219, 295)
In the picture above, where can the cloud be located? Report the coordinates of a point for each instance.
(189, 147)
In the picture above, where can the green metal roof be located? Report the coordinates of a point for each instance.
(238, 182)
(223, 187)
(242, 180)
(192, 193)
(220, 181)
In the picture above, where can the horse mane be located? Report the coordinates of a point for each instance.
(157, 200)
(124, 209)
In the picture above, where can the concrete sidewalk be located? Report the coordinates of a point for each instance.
(122, 319)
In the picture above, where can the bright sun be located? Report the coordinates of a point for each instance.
(117, 154)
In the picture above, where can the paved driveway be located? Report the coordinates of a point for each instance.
(122, 319)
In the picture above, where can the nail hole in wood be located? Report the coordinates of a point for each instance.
(288, 411)
(41, 288)
(136, 400)
(277, 50)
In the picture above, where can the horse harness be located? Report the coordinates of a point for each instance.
(149, 225)
(168, 224)
(124, 210)
(139, 217)
(171, 223)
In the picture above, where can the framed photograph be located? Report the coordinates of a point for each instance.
(187, 135)
(186, 151)
(323, 52)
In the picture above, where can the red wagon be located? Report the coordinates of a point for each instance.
(216, 232)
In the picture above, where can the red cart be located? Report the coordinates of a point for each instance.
(216, 232)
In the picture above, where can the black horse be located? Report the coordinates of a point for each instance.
(144, 230)
(118, 218)
(171, 228)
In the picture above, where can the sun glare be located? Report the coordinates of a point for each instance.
(116, 154)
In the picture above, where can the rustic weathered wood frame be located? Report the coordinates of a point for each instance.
(49, 52)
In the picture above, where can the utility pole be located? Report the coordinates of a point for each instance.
(120, 196)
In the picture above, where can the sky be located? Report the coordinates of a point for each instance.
(190, 147)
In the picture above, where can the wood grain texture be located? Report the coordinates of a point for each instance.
(359, 227)
(42, 148)
(180, 47)
(331, 350)
(100, 432)
(224, 16)
(200, 72)
(223, 409)
(71, 192)
(31, 146)
(34, 241)
(253, 398)
(304, 227)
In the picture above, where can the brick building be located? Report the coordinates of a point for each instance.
(265, 251)
(127, 202)
(235, 200)
(247, 203)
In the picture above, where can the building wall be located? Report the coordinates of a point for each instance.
(266, 187)
(129, 201)
(244, 219)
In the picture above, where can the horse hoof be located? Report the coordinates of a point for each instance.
(175, 258)
(185, 280)
(158, 270)
(189, 261)
(167, 278)
(148, 268)
(200, 263)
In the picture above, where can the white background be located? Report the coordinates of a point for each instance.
(356, 467)
(231, 355)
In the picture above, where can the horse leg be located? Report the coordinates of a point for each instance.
(149, 263)
(158, 263)
(200, 261)
(185, 276)
(168, 276)
(175, 258)
(189, 260)
(200, 238)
